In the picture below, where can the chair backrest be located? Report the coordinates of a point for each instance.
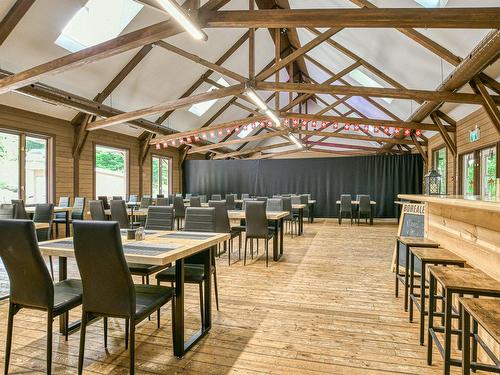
(189, 195)
(194, 202)
(160, 218)
(146, 202)
(230, 201)
(162, 202)
(7, 211)
(133, 198)
(44, 213)
(160, 195)
(245, 196)
(244, 204)
(304, 199)
(104, 200)
(364, 204)
(19, 209)
(117, 198)
(78, 208)
(287, 206)
(222, 224)
(274, 204)
(97, 210)
(108, 288)
(262, 199)
(256, 220)
(63, 202)
(200, 219)
(119, 213)
(345, 202)
(286, 195)
(203, 198)
(295, 199)
(216, 197)
(30, 281)
(179, 208)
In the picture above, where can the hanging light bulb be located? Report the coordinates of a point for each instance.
(346, 126)
(204, 135)
(228, 131)
(356, 127)
(237, 129)
(407, 132)
(212, 134)
(219, 132)
(418, 132)
(295, 122)
(181, 141)
(323, 124)
(376, 129)
(173, 142)
(189, 140)
(397, 130)
(335, 125)
(196, 138)
(286, 122)
(158, 146)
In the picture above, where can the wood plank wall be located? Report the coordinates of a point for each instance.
(489, 136)
(62, 134)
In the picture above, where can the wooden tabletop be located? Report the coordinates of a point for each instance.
(271, 215)
(465, 279)
(41, 225)
(439, 255)
(176, 245)
(299, 206)
(31, 209)
(486, 312)
(357, 202)
(417, 241)
(136, 212)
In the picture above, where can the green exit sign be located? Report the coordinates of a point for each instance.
(474, 135)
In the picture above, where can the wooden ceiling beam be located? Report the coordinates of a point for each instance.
(251, 151)
(351, 136)
(409, 94)
(166, 106)
(490, 82)
(462, 18)
(444, 134)
(12, 18)
(489, 105)
(341, 145)
(419, 148)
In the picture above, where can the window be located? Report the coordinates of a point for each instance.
(25, 167)
(432, 3)
(468, 165)
(111, 171)
(367, 81)
(440, 165)
(488, 172)
(199, 109)
(160, 175)
(97, 22)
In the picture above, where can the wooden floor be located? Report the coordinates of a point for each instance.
(327, 307)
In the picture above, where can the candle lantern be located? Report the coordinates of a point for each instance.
(432, 183)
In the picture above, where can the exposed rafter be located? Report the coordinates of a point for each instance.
(13, 16)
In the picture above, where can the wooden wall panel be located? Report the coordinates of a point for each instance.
(62, 134)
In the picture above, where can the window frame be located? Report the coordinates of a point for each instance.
(477, 166)
(169, 162)
(127, 166)
(50, 166)
(435, 151)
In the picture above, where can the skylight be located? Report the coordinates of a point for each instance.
(366, 81)
(432, 3)
(245, 132)
(199, 109)
(97, 22)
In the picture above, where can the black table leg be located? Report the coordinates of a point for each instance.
(447, 332)
(407, 275)
(281, 236)
(432, 303)
(466, 343)
(67, 224)
(422, 303)
(311, 213)
(275, 240)
(207, 313)
(63, 275)
(371, 214)
(301, 221)
(396, 285)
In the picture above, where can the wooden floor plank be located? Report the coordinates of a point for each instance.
(327, 307)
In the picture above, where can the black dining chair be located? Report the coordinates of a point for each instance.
(161, 202)
(179, 210)
(223, 225)
(290, 219)
(257, 227)
(230, 201)
(203, 198)
(146, 202)
(245, 196)
(7, 211)
(104, 200)
(117, 198)
(77, 213)
(198, 219)
(216, 197)
(133, 199)
(304, 199)
(31, 285)
(194, 202)
(44, 213)
(364, 208)
(108, 288)
(119, 213)
(160, 196)
(345, 207)
(20, 209)
(97, 210)
(60, 217)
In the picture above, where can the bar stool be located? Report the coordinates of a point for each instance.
(427, 256)
(408, 242)
(454, 281)
(484, 312)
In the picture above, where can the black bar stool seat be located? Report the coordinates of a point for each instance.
(427, 256)
(486, 313)
(460, 282)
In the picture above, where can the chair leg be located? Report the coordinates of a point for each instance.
(66, 325)
(83, 331)
(245, 255)
(200, 287)
(50, 320)
(216, 290)
(126, 333)
(105, 323)
(239, 246)
(229, 253)
(158, 318)
(267, 252)
(132, 347)
(51, 264)
(8, 343)
(257, 247)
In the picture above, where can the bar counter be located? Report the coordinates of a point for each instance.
(466, 225)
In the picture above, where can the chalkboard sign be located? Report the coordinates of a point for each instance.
(411, 224)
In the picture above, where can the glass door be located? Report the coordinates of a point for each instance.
(9, 173)
(468, 171)
(488, 171)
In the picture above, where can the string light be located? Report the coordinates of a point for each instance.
(407, 132)
(173, 142)
(418, 132)
(204, 135)
(158, 146)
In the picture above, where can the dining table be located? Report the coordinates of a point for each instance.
(274, 216)
(30, 210)
(372, 208)
(158, 248)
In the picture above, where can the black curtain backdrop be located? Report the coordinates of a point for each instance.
(382, 177)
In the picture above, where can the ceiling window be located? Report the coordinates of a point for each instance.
(199, 109)
(432, 3)
(97, 22)
(367, 81)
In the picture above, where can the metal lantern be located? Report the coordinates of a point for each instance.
(432, 183)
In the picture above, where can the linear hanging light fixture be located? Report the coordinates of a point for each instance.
(263, 106)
